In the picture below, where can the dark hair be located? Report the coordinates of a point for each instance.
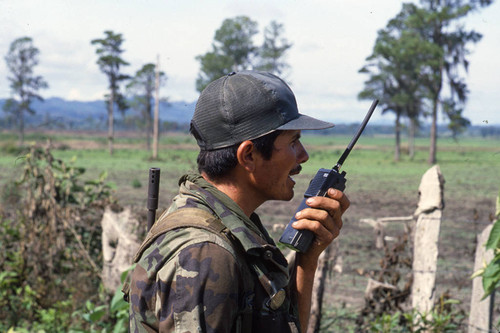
(218, 163)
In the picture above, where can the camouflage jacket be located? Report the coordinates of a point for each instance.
(190, 278)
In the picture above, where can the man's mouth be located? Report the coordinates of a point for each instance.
(295, 171)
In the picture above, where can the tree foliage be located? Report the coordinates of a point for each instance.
(21, 60)
(110, 62)
(273, 49)
(423, 49)
(233, 49)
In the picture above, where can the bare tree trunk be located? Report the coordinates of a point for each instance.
(110, 122)
(433, 144)
(411, 138)
(397, 150)
(21, 127)
(157, 109)
(149, 125)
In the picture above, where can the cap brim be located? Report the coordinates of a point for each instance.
(304, 122)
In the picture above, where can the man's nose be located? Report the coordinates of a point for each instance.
(302, 156)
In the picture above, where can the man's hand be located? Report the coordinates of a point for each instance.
(324, 219)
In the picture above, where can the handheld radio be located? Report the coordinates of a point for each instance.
(300, 240)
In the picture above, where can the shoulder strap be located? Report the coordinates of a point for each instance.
(199, 218)
(181, 218)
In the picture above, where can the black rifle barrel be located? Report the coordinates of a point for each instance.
(153, 194)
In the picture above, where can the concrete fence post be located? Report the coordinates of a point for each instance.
(429, 211)
(480, 317)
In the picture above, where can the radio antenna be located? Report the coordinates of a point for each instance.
(356, 137)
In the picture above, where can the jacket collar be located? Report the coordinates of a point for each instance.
(249, 231)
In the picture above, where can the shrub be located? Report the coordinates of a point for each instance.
(50, 254)
(136, 183)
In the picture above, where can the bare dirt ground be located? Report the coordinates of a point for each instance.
(359, 259)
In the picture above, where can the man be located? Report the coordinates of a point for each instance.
(208, 264)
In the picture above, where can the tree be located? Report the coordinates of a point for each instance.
(142, 88)
(440, 57)
(438, 21)
(398, 65)
(109, 61)
(232, 50)
(24, 84)
(273, 49)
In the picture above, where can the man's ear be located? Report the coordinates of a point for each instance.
(246, 155)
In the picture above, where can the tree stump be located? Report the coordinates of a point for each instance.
(119, 244)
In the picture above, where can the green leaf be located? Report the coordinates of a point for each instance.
(7, 277)
(494, 238)
(103, 175)
(121, 326)
(477, 273)
(89, 305)
(124, 274)
(451, 301)
(117, 302)
(491, 276)
(98, 313)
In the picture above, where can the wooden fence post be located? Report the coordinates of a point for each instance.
(425, 250)
(480, 317)
(379, 225)
(325, 265)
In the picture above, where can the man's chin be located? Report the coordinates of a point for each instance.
(288, 196)
(285, 197)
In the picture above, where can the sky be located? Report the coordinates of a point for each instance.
(331, 40)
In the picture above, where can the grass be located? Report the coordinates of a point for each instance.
(470, 166)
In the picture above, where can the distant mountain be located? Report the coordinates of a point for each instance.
(63, 111)
(57, 113)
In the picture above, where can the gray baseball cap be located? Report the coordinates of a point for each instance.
(247, 105)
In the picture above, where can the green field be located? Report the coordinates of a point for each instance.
(377, 187)
(468, 165)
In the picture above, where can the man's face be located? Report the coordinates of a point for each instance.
(274, 175)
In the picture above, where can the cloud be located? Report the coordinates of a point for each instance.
(331, 40)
